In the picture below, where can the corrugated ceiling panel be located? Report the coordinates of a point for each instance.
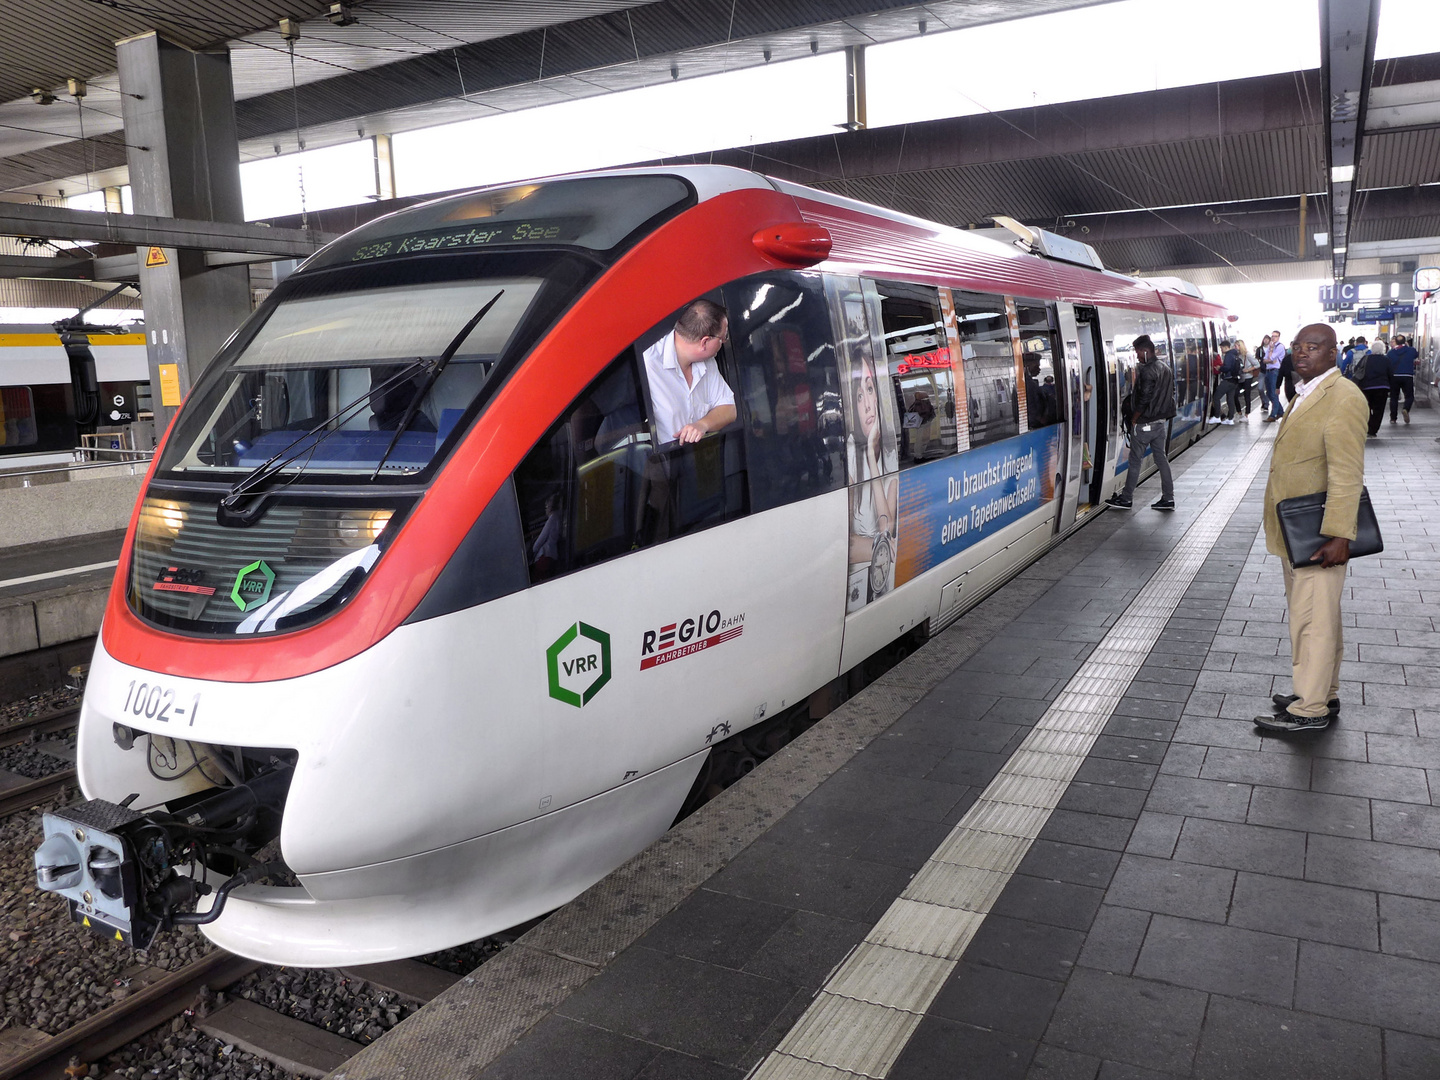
(1399, 159)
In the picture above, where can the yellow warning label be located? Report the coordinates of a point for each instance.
(169, 384)
(119, 936)
(155, 257)
(84, 920)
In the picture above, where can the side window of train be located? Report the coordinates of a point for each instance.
(992, 403)
(787, 386)
(17, 418)
(917, 352)
(1035, 326)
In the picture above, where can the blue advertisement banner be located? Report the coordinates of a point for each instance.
(947, 505)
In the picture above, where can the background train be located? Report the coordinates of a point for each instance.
(56, 388)
(419, 622)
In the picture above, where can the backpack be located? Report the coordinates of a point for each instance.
(1358, 365)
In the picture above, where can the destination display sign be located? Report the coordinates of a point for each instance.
(472, 236)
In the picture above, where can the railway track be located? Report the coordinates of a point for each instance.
(32, 793)
(292, 1044)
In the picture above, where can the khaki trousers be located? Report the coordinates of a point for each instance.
(1313, 594)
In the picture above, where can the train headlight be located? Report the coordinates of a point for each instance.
(169, 517)
(377, 523)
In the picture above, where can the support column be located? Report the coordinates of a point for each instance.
(184, 157)
(384, 168)
(855, 88)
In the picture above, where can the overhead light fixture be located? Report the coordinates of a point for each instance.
(1342, 174)
(42, 97)
(1340, 250)
(290, 29)
(341, 15)
(1321, 239)
(76, 87)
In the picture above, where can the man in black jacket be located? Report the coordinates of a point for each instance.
(1153, 406)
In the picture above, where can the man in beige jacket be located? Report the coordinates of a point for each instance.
(1320, 447)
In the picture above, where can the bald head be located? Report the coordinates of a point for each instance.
(1314, 351)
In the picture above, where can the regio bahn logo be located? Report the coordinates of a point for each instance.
(688, 636)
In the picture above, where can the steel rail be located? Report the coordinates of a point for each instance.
(127, 1020)
(48, 724)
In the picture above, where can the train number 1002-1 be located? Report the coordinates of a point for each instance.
(156, 702)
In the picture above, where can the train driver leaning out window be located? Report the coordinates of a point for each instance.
(690, 396)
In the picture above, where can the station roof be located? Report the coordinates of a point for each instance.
(1210, 176)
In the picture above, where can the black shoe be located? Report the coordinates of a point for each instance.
(1284, 701)
(1163, 504)
(1118, 501)
(1288, 721)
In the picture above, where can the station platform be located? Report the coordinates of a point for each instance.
(1049, 844)
(52, 597)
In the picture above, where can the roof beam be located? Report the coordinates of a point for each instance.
(1347, 56)
(143, 230)
(43, 266)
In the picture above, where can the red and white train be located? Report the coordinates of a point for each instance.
(415, 601)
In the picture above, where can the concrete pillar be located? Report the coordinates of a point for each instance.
(384, 168)
(184, 157)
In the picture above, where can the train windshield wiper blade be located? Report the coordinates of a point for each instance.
(436, 368)
(315, 436)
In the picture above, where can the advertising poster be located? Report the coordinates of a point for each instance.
(872, 459)
(948, 505)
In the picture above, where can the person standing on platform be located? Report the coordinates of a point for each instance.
(1287, 377)
(1227, 385)
(1402, 376)
(1371, 373)
(1320, 447)
(1273, 356)
(1153, 406)
(1249, 368)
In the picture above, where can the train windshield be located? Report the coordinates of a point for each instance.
(362, 375)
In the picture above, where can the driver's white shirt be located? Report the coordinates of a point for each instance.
(676, 402)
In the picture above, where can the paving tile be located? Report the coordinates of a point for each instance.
(1029, 948)
(1306, 909)
(994, 998)
(810, 881)
(1075, 863)
(1359, 778)
(1058, 903)
(1115, 937)
(1368, 864)
(1334, 742)
(558, 1046)
(903, 842)
(1403, 750)
(872, 792)
(1242, 847)
(1118, 1070)
(671, 1001)
(716, 928)
(1255, 767)
(1411, 1057)
(1213, 731)
(805, 948)
(1368, 988)
(1151, 709)
(1173, 888)
(1108, 799)
(1310, 811)
(943, 1047)
(966, 734)
(1244, 1039)
(1150, 751)
(1108, 771)
(969, 768)
(901, 755)
(1184, 759)
(779, 1026)
(1188, 797)
(1383, 719)
(1406, 823)
(1219, 959)
(672, 1066)
(1409, 927)
(1015, 709)
(1148, 727)
(1155, 834)
(1052, 1063)
(951, 702)
(1203, 703)
(1129, 1020)
(1096, 830)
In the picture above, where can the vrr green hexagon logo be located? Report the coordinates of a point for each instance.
(252, 585)
(578, 664)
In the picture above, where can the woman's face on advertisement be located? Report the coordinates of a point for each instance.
(869, 407)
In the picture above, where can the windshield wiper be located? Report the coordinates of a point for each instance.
(227, 514)
(436, 368)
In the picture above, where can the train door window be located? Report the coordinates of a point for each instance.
(917, 351)
(992, 403)
(584, 489)
(17, 418)
(1035, 330)
(787, 386)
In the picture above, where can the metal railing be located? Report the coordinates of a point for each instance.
(132, 458)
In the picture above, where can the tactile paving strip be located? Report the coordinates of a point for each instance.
(861, 1019)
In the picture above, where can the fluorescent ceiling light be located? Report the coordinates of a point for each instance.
(1342, 174)
(1341, 250)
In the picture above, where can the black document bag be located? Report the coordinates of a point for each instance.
(1300, 519)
